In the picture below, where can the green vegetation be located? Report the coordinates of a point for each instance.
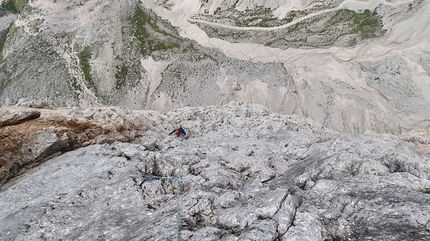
(84, 61)
(121, 76)
(19, 4)
(258, 17)
(366, 24)
(75, 85)
(8, 6)
(3, 36)
(261, 17)
(320, 30)
(342, 22)
(153, 34)
(27, 10)
(13, 6)
(426, 191)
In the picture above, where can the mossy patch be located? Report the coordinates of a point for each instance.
(317, 31)
(75, 87)
(426, 190)
(121, 76)
(84, 61)
(366, 24)
(13, 6)
(153, 34)
(150, 36)
(3, 36)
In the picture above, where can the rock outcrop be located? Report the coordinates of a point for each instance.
(30, 136)
(420, 139)
(245, 173)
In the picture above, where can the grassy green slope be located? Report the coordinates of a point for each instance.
(318, 31)
(13, 6)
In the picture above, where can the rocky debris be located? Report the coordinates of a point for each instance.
(29, 136)
(244, 174)
(152, 147)
(32, 103)
(419, 139)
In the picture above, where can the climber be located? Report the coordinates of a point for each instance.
(180, 131)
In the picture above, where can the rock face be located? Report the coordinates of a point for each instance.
(242, 172)
(245, 173)
(7, 118)
(31, 136)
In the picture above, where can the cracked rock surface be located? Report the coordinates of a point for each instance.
(245, 173)
(30, 136)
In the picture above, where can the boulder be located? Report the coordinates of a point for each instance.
(30, 137)
(8, 118)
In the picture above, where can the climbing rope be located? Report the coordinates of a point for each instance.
(175, 178)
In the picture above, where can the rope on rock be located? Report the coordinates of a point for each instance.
(175, 178)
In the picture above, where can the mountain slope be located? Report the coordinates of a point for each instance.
(353, 66)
